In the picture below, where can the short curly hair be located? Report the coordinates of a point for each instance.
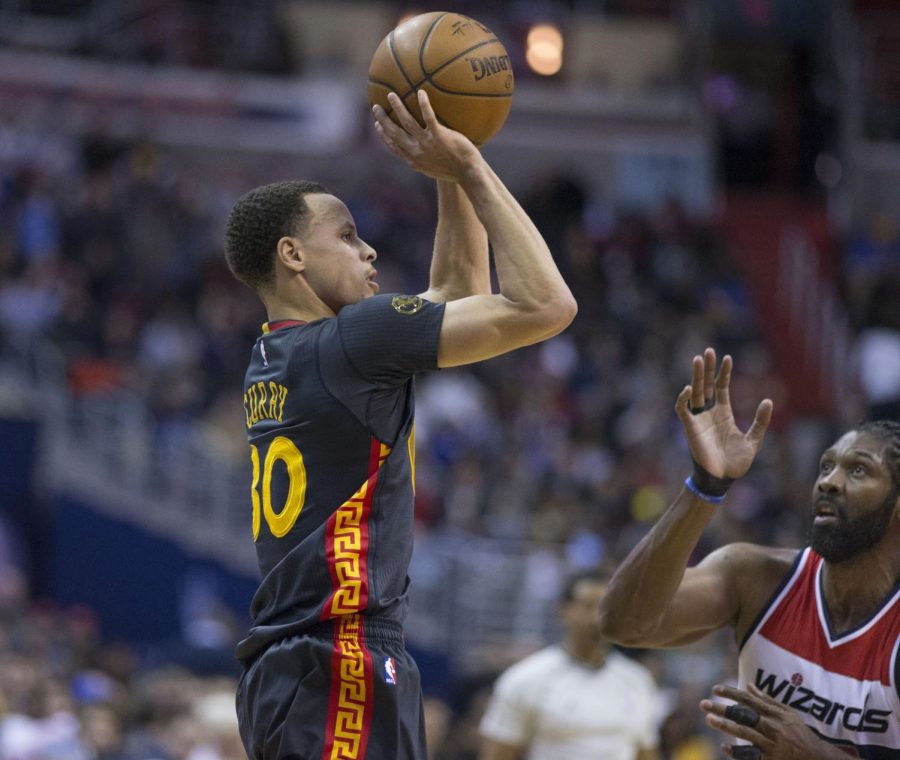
(888, 431)
(258, 220)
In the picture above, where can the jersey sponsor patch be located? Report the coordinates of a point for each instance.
(407, 304)
(390, 671)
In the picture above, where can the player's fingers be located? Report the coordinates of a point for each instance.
(754, 699)
(682, 408)
(428, 115)
(761, 421)
(763, 703)
(380, 115)
(736, 712)
(723, 381)
(383, 134)
(390, 140)
(698, 398)
(742, 752)
(406, 119)
(389, 131)
(709, 374)
(738, 731)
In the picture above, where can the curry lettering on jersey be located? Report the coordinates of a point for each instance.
(264, 401)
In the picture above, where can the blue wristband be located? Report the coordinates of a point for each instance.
(692, 487)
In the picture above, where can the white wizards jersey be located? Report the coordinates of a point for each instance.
(844, 686)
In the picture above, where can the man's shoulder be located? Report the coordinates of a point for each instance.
(742, 557)
(755, 573)
(388, 304)
(629, 665)
(547, 659)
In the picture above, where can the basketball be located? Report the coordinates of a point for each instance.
(459, 62)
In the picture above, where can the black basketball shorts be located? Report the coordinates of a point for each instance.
(347, 690)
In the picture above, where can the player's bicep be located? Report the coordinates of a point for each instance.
(483, 326)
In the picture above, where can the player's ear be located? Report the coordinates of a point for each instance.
(290, 254)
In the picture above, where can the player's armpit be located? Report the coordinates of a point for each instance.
(484, 326)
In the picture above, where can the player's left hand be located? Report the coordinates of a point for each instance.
(779, 733)
(434, 150)
(704, 407)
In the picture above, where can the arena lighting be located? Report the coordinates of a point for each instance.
(544, 49)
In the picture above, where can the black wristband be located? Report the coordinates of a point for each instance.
(710, 484)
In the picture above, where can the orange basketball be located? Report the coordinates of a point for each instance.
(459, 62)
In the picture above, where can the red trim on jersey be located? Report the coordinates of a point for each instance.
(277, 325)
(347, 544)
(797, 626)
(350, 699)
(370, 688)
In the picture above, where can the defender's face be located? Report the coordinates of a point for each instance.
(854, 498)
(581, 614)
(337, 263)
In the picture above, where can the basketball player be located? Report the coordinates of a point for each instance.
(329, 411)
(818, 628)
(578, 699)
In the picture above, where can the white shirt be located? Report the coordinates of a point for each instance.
(563, 709)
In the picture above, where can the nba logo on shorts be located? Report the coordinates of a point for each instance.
(390, 671)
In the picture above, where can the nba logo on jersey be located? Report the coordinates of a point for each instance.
(390, 671)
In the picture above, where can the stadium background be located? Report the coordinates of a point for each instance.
(707, 173)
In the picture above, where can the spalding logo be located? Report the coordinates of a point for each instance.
(488, 66)
(407, 304)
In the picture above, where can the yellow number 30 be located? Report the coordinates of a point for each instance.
(280, 523)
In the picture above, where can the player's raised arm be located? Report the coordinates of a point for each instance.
(459, 264)
(654, 599)
(534, 302)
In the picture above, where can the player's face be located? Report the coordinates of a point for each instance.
(338, 264)
(581, 615)
(854, 498)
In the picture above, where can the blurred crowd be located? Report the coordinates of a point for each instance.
(65, 694)
(111, 251)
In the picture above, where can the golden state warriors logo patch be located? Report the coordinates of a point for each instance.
(407, 304)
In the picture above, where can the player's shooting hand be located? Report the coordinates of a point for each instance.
(434, 150)
(704, 408)
(778, 733)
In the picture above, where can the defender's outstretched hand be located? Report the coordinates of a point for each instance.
(704, 408)
(434, 150)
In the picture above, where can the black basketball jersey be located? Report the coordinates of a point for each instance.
(329, 410)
